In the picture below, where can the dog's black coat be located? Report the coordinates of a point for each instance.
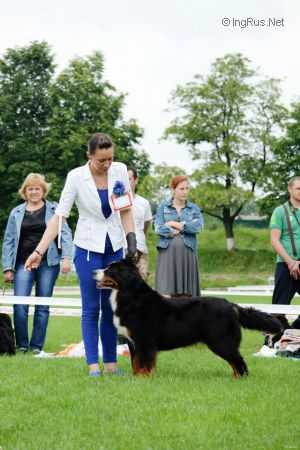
(7, 336)
(155, 323)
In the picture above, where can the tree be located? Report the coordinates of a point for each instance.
(82, 102)
(25, 76)
(284, 165)
(45, 122)
(228, 121)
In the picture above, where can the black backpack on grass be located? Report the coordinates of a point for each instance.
(7, 336)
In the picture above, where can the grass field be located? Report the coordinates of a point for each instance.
(191, 402)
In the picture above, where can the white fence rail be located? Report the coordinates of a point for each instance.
(59, 306)
(72, 306)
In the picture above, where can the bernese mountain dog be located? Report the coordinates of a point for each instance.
(152, 322)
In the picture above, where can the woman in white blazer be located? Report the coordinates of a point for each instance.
(99, 240)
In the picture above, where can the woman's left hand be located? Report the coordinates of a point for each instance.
(177, 225)
(33, 261)
(65, 265)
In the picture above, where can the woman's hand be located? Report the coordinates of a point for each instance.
(33, 261)
(8, 276)
(65, 265)
(173, 224)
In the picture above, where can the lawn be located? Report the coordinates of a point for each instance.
(191, 402)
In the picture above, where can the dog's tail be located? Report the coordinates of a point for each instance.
(257, 320)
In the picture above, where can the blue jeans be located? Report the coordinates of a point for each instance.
(95, 300)
(44, 278)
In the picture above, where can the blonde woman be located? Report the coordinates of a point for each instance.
(25, 227)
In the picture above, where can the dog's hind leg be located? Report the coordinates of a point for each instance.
(239, 366)
(227, 350)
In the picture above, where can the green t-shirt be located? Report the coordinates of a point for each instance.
(278, 221)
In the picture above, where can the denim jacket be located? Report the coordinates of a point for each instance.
(190, 216)
(12, 236)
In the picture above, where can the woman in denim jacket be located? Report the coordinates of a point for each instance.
(177, 223)
(25, 226)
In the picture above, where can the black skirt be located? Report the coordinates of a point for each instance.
(177, 269)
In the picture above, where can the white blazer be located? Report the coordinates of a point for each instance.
(92, 226)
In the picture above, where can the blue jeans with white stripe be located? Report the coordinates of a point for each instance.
(96, 301)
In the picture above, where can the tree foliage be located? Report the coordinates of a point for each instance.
(25, 75)
(156, 185)
(229, 121)
(284, 165)
(46, 120)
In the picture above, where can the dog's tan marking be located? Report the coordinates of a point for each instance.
(138, 370)
(236, 374)
(104, 281)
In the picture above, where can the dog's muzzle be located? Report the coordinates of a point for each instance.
(103, 281)
(98, 275)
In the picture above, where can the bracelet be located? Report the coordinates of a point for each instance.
(38, 252)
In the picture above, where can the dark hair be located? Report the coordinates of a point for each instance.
(99, 141)
(134, 172)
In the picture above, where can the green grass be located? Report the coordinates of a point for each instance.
(191, 402)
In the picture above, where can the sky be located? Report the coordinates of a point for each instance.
(151, 47)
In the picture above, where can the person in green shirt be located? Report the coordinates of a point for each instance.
(287, 271)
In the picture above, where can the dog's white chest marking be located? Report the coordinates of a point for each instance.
(113, 301)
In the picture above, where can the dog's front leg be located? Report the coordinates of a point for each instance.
(138, 368)
(133, 357)
(143, 363)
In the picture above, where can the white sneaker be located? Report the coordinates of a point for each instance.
(266, 352)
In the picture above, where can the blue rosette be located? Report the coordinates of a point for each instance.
(119, 189)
